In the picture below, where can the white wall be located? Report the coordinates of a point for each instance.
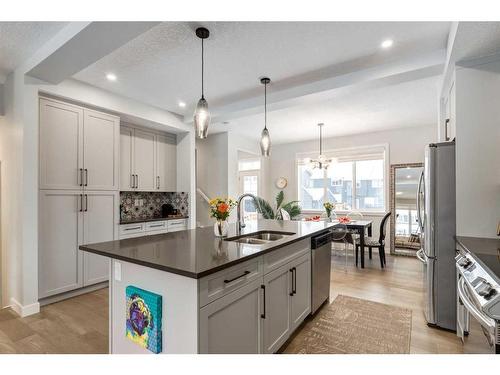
(405, 146)
(211, 172)
(478, 149)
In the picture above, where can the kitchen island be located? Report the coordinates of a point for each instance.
(246, 293)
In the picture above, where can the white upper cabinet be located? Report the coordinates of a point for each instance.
(100, 150)
(127, 178)
(148, 160)
(78, 147)
(61, 145)
(166, 161)
(144, 160)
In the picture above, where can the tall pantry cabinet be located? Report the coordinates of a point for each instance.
(79, 197)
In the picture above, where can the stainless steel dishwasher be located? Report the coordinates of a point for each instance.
(320, 269)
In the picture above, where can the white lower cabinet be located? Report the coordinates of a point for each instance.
(232, 324)
(100, 225)
(68, 220)
(276, 317)
(261, 315)
(60, 266)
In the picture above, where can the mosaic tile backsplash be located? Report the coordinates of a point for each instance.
(151, 204)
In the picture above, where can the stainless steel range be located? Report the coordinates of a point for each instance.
(478, 295)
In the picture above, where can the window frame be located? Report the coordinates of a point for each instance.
(350, 154)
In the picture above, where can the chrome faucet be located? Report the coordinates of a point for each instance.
(240, 222)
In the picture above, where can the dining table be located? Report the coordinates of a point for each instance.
(361, 227)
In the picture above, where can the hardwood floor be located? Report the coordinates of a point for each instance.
(76, 325)
(80, 324)
(399, 284)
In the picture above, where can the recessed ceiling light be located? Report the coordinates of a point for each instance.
(387, 43)
(409, 176)
(182, 104)
(111, 77)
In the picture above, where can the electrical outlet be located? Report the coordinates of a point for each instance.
(136, 202)
(141, 202)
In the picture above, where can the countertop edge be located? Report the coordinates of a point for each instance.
(199, 275)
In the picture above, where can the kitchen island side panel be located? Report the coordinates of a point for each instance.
(179, 313)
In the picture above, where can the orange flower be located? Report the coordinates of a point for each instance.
(222, 207)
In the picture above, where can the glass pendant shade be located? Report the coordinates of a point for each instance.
(265, 143)
(201, 119)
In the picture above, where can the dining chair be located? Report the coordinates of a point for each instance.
(374, 243)
(339, 235)
(353, 235)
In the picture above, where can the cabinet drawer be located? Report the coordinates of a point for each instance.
(277, 258)
(220, 283)
(155, 226)
(175, 225)
(128, 229)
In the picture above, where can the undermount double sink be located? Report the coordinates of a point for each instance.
(260, 238)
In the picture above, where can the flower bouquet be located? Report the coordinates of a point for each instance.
(328, 208)
(220, 209)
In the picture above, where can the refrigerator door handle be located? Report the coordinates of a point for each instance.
(419, 193)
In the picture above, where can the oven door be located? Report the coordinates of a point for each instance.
(476, 330)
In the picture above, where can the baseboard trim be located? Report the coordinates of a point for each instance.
(24, 310)
(73, 293)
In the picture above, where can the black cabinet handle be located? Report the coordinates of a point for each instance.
(81, 177)
(294, 280)
(86, 202)
(237, 277)
(293, 270)
(86, 177)
(81, 203)
(263, 287)
(446, 138)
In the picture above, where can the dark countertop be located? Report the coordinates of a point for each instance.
(197, 252)
(123, 222)
(486, 250)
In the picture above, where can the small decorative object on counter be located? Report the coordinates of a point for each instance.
(328, 208)
(344, 220)
(220, 209)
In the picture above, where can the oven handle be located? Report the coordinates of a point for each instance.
(484, 320)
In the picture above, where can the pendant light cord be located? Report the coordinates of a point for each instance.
(202, 63)
(265, 106)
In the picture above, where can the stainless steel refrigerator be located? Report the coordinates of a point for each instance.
(436, 207)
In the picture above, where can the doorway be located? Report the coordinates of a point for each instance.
(249, 181)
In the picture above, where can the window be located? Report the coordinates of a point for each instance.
(248, 164)
(249, 176)
(355, 181)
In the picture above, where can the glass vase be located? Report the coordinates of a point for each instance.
(220, 228)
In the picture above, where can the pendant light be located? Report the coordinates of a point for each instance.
(265, 139)
(322, 161)
(201, 114)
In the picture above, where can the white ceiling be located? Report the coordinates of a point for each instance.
(407, 104)
(19, 40)
(162, 66)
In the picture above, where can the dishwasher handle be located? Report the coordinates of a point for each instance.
(320, 240)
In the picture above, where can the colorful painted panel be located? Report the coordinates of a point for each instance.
(144, 316)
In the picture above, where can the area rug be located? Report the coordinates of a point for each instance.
(354, 326)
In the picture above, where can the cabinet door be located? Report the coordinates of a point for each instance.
(276, 323)
(166, 152)
(61, 145)
(100, 224)
(232, 324)
(145, 160)
(300, 302)
(126, 158)
(100, 150)
(60, 232)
